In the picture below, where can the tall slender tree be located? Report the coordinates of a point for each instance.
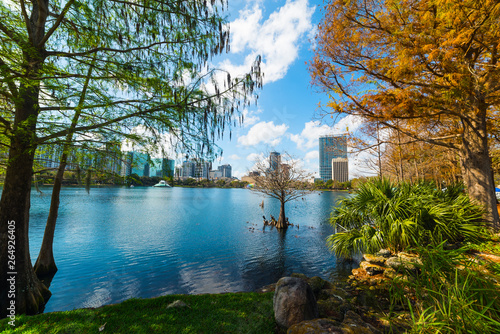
(427, 68)
(150, 67)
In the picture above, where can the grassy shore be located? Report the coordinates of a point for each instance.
(209, 313)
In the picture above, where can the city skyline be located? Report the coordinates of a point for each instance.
(287, 117)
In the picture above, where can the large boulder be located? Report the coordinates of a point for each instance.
(293, 302)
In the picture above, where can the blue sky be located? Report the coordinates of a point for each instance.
(285, 118)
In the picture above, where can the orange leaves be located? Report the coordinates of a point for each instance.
(407, 58)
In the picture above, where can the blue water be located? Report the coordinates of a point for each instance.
(119, 243)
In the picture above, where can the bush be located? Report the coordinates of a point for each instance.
(450, 293)
(400, 216)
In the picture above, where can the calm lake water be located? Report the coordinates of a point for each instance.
(119, 243)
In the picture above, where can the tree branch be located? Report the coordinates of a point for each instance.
(57, 23)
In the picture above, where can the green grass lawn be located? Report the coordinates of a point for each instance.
(210, 313)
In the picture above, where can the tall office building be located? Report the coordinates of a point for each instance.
(274, 160)
(127, 158)
(226, 170)
(330, 147)
(140, 164)
(187, 169)
(202, 169)
(162, 167)
(340, 169)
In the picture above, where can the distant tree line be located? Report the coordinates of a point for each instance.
(205, 183)
(73, 178)
(332, 184)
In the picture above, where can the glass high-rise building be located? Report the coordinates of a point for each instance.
(274, 160)
(330, 147)
(226, 170)
(163, 167)
(135, 163)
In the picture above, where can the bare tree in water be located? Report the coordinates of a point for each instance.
(281, 177)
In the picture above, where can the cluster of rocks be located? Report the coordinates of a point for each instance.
(358, 306)
(384, 265)
(313, 305)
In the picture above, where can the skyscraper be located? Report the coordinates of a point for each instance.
(188, 169)
(202, 169)
(135, 163)
(163, 167)
(226, 170)
(274, 160)
(330, 147)
(340, 169)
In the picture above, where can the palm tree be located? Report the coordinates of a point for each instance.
(384, 214)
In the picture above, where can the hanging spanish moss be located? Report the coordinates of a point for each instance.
(35, 181)
(88, 178)
(78, 175)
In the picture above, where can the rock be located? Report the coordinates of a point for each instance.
(298, 275)
(328, 293)
(384, 253)
(374, 270)
(394, 262)
(373, 259)
(354, 324)
(389, 273)
(331, 308)
(293, 302)
(317, 284)
(371, 269)
(340, 292)
(317, 326)
(177, 304)
(403, 261)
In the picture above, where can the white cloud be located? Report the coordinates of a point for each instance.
(313, 155)
(165, 145)
(245, 27)
(349, 124)
(276, 39)
(237, 173)
(255, 157)
(263, 132)
(249, 117)
(234, 157)
(308, 138)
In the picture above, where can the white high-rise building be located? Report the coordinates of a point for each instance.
(340, 169)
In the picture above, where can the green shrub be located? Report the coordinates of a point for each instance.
(400, 216)
(450, 293)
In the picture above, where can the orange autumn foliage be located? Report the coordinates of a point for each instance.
(426, 68)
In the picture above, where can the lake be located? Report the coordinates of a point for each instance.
(119, 243)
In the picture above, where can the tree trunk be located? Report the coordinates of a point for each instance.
(281, 224)
(45, 264)
(27, 294)
(476, 168)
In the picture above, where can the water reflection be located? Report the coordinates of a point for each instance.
(118, 243)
